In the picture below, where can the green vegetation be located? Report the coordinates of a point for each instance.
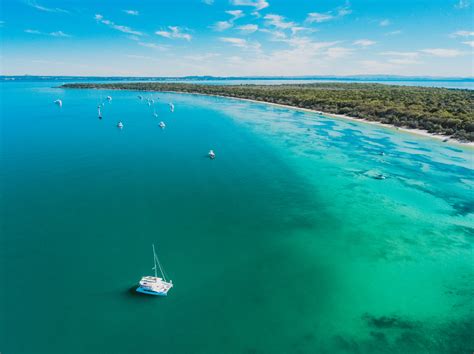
(438, 110)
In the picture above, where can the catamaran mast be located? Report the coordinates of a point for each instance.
(156, 260)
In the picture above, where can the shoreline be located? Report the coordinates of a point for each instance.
(418, 132)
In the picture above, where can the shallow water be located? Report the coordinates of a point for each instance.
(285, 243)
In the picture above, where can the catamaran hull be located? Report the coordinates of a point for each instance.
(149, 292)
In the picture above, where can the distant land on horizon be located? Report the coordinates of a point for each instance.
(210, 77)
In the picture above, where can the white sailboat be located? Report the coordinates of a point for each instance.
(211, 154)
(109, 98)
(99, 112)
(59, 102)
(171, 107)
(154, 285)
(120, 125)
(162, 125)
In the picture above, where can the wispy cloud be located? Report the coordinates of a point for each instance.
(469, 43)
(174, 32)
(31, 31)
(319, 17)
(462, 34)
(393, 33)
(53, 34)
(278, 21)
(338, 52)
(46, 9)
(223, 25)
(442, 53)
(462, 4)
(258, 4)
(250, 28)
(59, 34)
(240, 43)
(124, 29)
(236, 14)
(364, 42)
(131, 12)
(384, 23)
(220, 26)
(401, 54)
(152, 45)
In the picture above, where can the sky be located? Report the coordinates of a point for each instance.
(237, 37)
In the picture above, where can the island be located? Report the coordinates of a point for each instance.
(439, 111)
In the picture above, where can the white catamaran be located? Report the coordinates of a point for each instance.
(154, 285)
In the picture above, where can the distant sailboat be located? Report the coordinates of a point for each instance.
(99, 112)
(171, 107)
(162, 125)
(109, 98)
(211, 154)
(155, 114)
(59, 102)
(153, 285)
(120, 125)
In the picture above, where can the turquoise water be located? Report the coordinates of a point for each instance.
(285, 243)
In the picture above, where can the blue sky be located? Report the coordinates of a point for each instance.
(237, 37)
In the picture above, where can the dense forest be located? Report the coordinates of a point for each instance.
(438, 110)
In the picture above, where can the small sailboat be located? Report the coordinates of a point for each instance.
(120, 125)
(109, 98)
(380, 176)
(155, 114)
(154, 285)
(211, 154)
(99, 112)
(171, 107)
(162, 125)
(59, 102)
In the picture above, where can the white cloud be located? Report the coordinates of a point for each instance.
(297, 29)
(403, 61)
(208, 2)
(256, 14)
(384, 23)
(338, 52)
(124, 29)
(406, 55)
(46, 9)
(236, 14)
(392, 33)
(258, 4)
(202, 57)
(152, 45)
(53, 34)
(463, 4)
(250, 28)
(318, 17)
(131, 12)
(174, 32)
(222, 26)
(364, 42)
(31, 31)
(442, 53)
(240, 43)
(278, 21)
(343, 11)
(59, 34)
(462, 34)
(469, 43)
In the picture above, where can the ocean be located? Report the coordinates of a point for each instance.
(287, 242)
